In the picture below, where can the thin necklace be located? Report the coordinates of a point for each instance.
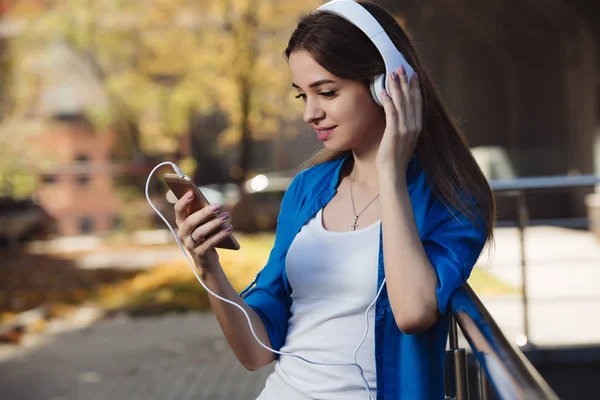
(354, 224)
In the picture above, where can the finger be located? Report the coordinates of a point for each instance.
(181, 207)
(396, 96)
(214, 240)
(406, 99)
(191, 244)
(390, 111)
(209, 228)
(418, 102)
(199, 217)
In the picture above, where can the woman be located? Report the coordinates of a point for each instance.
(394, 194)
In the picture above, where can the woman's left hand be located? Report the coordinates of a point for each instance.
(404, 112)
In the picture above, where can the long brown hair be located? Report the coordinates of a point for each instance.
(345, 51)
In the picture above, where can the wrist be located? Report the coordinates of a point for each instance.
(393, 177)
(209, 271)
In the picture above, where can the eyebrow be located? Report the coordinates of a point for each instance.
(317, 83)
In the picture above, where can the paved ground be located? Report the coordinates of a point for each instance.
(174, 357)
(563, 271)
(185, 356)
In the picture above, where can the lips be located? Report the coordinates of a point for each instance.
(324, 133)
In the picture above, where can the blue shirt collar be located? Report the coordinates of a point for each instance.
(411, 172)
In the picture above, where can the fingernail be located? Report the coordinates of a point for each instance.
(416, 77)
(402, 70)
(384, 93)
(394, 76)
(190, 195)
(215, 207)
(229, 228)
(224, 216)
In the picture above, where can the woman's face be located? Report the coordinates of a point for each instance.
(330, 101)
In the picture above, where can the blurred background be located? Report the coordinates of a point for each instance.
(96, 300)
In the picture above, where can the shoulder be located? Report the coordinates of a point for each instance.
(432, 211)
(305, 187)
(321, 172)
(428, 207)
(314, 180)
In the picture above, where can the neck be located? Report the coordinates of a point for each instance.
(364, 169)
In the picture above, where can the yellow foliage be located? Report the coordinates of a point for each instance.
(163, 58)
(174, 282)
(18, 159)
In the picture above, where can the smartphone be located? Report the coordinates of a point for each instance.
(180, 187)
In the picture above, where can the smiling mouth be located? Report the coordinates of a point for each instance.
(324, 133)
(325, 129)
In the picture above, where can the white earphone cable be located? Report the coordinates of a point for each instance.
(191, 263)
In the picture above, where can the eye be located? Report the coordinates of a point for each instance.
(325, 94)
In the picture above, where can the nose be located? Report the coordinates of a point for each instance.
(313, 111)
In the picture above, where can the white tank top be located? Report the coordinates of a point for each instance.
(333, 277)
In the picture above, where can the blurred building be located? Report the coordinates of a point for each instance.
(77, 191)
(76, 186)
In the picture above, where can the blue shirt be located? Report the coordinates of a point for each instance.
(408, 366)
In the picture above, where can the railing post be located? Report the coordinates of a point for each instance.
(450, 375)
(457, 381)
(523, 213)
(462, 378)
(482, 383)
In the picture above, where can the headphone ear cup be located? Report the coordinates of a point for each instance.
(376, 87)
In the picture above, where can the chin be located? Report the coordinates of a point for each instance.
(336, 143)
(336, 147)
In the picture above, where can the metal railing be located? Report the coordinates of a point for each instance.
(500, 365)
(517, 188)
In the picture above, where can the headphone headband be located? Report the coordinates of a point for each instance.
(362, 19)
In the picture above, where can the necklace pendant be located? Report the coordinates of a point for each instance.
(354, 225)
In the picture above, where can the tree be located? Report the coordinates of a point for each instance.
(159, 60)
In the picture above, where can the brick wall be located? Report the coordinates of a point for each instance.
(77, 190)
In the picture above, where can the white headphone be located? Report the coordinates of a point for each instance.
(362, 19)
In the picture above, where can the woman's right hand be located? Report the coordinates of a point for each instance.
(201, 231)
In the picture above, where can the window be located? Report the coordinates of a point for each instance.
(83, 179)
(82, 174)
(86, 225)
(49, 179)
(117, 223)
(82, 159)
